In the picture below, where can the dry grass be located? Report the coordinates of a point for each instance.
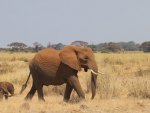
(125, 87)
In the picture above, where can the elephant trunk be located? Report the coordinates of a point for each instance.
(94, 73)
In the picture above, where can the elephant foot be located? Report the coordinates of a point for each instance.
(28, 97)
(41, 99)
(82, 97)
(65, 100)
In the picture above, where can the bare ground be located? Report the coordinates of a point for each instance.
(54, 104)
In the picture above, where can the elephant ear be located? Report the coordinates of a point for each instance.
(68, 56)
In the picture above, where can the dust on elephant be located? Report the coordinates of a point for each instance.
(52, 67)
(5, 89)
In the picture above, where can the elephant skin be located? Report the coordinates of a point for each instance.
(52, 67)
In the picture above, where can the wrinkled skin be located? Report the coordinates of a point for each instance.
(5, 89)
(51, 67)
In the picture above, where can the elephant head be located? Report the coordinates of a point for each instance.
(79, 57)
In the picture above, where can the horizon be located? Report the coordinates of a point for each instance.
(45, 45)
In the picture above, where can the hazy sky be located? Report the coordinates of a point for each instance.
(94, 21)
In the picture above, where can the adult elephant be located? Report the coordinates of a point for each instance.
(52, 67)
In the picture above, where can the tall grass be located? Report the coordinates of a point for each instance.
(15, 56)
(126, 74)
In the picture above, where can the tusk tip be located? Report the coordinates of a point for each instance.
(96, 73)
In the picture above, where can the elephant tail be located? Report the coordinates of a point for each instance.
(25, 85)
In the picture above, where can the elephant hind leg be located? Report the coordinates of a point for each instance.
(40, 92)
(68, 91)
(1, 94)
(31, 93)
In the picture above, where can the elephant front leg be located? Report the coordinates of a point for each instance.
(6, 96)
(68, 91)
(74, 82)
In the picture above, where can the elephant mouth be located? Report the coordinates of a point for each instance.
(85, 67)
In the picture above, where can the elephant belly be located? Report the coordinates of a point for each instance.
(52, 80)
(48, 75)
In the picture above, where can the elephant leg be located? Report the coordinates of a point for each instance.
(40, 93)
(73, 80)
(68, 91)
(31, 93)
(6, 96)
(1, 94)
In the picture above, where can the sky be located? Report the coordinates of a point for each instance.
(64, 21)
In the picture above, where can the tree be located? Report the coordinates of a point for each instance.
(37, 46)
(17, 46)
(93, 47)
(80, 43)
(113, 47)
(57, 46)
(129, 46)
(49, 45)
(145, 46)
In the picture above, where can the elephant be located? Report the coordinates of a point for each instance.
(5, 89)
(53, 67)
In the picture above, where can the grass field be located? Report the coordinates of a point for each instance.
(125, 87)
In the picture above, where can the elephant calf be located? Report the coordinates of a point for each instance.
(5, 89)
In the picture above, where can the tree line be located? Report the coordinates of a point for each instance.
(103, 47)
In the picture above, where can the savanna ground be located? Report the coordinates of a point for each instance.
(125, 87)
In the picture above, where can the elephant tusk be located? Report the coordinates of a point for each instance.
(96, 72)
